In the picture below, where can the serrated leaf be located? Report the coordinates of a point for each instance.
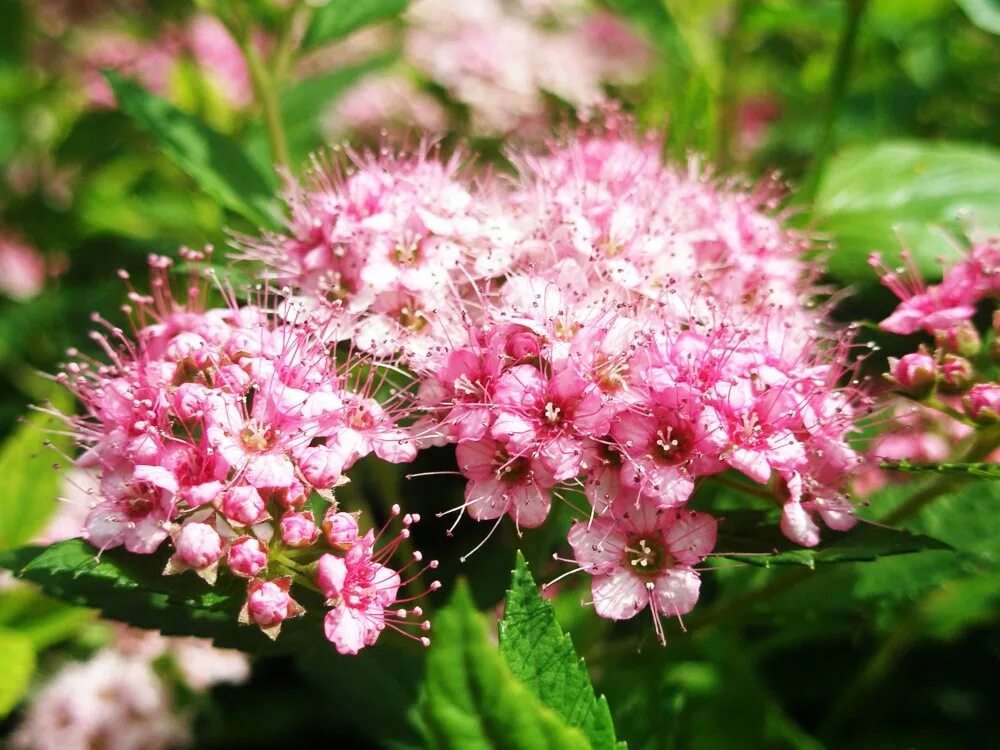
(18, 658)
(905, 195)
(983, 470)
(753, 537)
(31, 484)
(211, 159)
(131, 588)
(471, 700)
(542, 657)
(338, 18)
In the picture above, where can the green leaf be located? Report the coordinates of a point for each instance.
(541, 656)
(753, 537)
(18, 658)
(211, 159)
(983, 13)
(905, 195)
(132, 588)
(338, 18)
(471, 700)
(31, 484)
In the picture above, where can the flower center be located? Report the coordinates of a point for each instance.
(407, 249)
(646, 556)
(671, 444)
(553, 414)
(257, 436)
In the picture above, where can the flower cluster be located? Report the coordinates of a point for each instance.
(219, 430)
(500, 60)
(602, 322)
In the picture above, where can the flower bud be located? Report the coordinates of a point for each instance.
(331, 573)
(247, 557)
(956, 373)
(341, 529)
(962, 339)
(198, 545)
(321, 466)
(982, 403)
(268, 602)
(915, 374)
(298, 529)
(243, 506)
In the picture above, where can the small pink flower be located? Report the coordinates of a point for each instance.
(640, 555)
(956, 373)
(298, 529)
(500, 483)
(246, 557)
(198, 545)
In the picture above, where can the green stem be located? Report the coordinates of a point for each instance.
(854, 10)
(265, 90)
(291, 35)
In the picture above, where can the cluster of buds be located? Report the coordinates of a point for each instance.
(955, 375)
(221, 432)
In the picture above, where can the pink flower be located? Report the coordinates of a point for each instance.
(243, 506)
(640, 555)
(198, 546)
(916, 374)
(22, 268)
(982, 403)
(500, 483)
(340, 529)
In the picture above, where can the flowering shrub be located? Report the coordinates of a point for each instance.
(448, 264)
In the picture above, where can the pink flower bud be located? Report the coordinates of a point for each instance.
(292, 496)
(298, 529)
(198, 545)
(321, 466)
(915, 374)
(982, 403)
(331, 572)
(188, 401)
(200, 494)
(523, 346)
(243, 506)
(341, 529)
(268, 602)
(247, 557)
(956, 373)
(962, 339)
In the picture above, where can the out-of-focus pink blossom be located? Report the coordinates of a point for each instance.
(22, 268)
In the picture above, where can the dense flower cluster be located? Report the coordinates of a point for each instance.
(602, 322)
(213, 429)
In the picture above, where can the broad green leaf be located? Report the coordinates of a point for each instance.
(542, 656)
(905, 195)
(31, 483)
(337, 18)
(754, 537)
(471, 700)
(211, 159)
(983, 13)
(131, 588)
(17, 656)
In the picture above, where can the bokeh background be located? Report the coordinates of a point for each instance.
(883, 118)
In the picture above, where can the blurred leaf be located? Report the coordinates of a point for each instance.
(983, 13)
(214, 161)
(471, 700)
(542, 657)
(753, 537)
(338, 18)
(905, 195)
(31, 483)
(18, 658)
(132, 588)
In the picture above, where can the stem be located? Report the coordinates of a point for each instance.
(291, 34)
(265, 90)
(854, 10)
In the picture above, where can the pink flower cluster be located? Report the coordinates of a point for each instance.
(601, 321)
(218, 430)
